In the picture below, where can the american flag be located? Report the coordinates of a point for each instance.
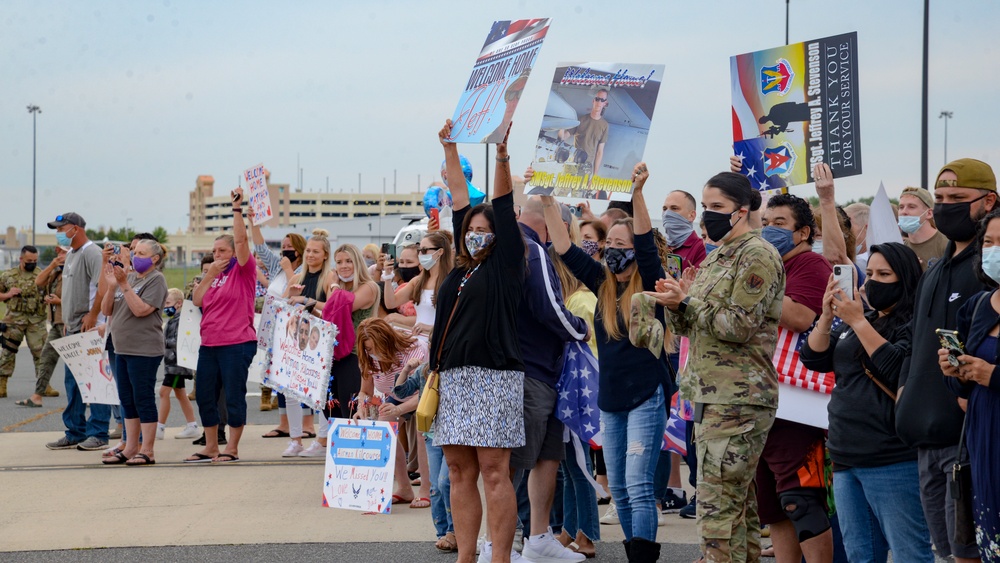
(790, 368)
(577, 388)
(674, 434)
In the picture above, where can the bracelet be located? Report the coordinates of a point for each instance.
(237, 210)
(506, 159)
(822, 332)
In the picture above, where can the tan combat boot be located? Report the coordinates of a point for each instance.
(50, 392)
(3, 387)
(265, 398)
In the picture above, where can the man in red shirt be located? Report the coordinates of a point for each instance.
(791, 487)
(679, 210)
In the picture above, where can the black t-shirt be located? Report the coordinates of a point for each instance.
(310, 286)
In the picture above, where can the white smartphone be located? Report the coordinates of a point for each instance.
(843, 274)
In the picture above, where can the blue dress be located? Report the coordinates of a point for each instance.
(982, 429)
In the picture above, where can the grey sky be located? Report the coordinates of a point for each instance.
(139, 98)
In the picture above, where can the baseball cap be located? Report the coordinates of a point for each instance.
(68, 219)
(971, 173)
(923, 195)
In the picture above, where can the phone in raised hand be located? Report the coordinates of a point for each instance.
(843, 274)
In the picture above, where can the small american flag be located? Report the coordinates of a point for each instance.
(790, 368)
(576, 406)
(675, 433)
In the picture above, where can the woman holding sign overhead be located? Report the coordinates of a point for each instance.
(228, 340)
(133, 303)
(474, 347)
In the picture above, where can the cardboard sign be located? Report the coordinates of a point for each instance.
(268, 313)
(298, 361)
(498, 78)
(84, 355)
(360, 460)
(189, 336)
(796, 106)
(594, 130)
(257, 194)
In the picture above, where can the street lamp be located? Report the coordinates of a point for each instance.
(946, 115)
(128, 231)
(34, 111)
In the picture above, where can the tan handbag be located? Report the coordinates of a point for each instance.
(428, 406)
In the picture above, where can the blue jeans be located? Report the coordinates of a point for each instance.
(440, 489)
(116, 410)
(879, 508)
(136, 376)
(664, 465)
(78, 426)
(579, 500)
(224, 369)
(632, 441)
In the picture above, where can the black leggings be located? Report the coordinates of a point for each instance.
(345, 384)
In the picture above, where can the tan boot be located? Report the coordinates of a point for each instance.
(265, 399)
(50, 392)
(3, 387)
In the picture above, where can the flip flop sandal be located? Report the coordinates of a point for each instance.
(304, 433)
(117, 458)
(28, 403)
(112, 452)
(146, 460)
(198, 458)
(396, 499)
(447, 544)
(422, 502)
(225, 458)
(279, 434)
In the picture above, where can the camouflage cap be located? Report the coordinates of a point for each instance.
(971, 173)
(644, 330)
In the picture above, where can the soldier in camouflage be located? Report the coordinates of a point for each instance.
(25, 318)
(49, 282)
(729, 310)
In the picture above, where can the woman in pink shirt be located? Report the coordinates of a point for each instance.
(228, 339)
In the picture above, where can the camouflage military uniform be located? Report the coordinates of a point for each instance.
(47, 363)
(731, 320)
(25, 319)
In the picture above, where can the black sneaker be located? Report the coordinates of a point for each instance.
(222, 439)
(690, 511)
(672, 503)
(199, 441)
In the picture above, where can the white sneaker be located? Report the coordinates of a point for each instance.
(159, 432)
(485, 551)
(518, 544)
(547, 549)
(515, 556)
(479, 544)
(659, 519)
(314, 450)
(190, 431)
(293, 450)
(611, 516)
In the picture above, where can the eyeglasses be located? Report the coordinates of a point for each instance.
(428, 249)
(600, 99)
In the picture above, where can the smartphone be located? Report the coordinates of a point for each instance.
(436, 215)
(951, 342)
(673, 265)
(389, 250)
(844, 276)
(576, 211)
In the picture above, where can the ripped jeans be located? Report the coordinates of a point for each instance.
(632, 442)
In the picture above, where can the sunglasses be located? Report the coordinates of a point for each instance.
(428, 249)
(600, 99)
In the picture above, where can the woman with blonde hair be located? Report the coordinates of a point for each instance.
(355, 289)
(633, 381)
(308, 290)
(383, 353)
(437, 258)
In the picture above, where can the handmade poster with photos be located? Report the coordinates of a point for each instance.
(299, 358)
(594, 130)
(84, 355)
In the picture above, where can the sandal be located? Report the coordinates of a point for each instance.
(140, 459)
(117, 458)
(307, 434)
(422, 502)
(278, 434)
(112, 452)
(447, 543)
(28, 403)
(396, 499)
(225, 458)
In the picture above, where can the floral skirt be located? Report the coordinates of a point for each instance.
(480, 407)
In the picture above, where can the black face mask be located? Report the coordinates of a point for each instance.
(883, 296)
(290, 254)
(30, 266)
(954, 220)
(717, 224)
(618, 259)
(408, 272)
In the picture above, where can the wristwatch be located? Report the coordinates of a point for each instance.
(683, 305)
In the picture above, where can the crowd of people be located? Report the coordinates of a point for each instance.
(490, 308)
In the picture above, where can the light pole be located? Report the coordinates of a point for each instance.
(34, 111)
(128, 231)
(946, 115)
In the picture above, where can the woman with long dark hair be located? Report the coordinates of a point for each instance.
(875, 479)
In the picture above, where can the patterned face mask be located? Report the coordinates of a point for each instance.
(475, 242)
(619, 259)
(590, 247)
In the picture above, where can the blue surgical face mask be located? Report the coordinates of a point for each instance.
(676, 227)
(780, 238)
(818, 246)
(909, 225)
(62, 239)
(991, 262)
(710, 247)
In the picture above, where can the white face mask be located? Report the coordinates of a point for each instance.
(818, 246)
(348, 279)
(427, 261)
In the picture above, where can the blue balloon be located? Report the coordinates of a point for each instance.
(475, 195)
(436, 197)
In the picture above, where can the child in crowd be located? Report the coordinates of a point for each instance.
(174, 375)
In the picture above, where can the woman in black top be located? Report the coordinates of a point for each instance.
(474, 347)
(875, 479)
(633, 382)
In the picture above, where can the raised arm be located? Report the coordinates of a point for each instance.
(834, 243)
(457, 186)
(641, 214)
(502, 184)
(240, 239)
